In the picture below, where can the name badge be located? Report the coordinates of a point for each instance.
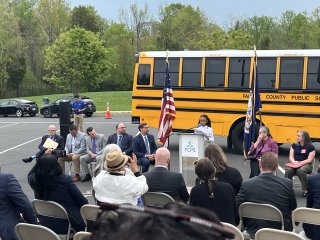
(303, 150)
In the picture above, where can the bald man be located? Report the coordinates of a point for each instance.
(162, 180)
(52, 130)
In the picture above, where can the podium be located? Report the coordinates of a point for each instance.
(191, 148)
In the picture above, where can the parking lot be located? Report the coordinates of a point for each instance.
(21, 136)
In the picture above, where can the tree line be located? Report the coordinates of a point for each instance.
(47, 47)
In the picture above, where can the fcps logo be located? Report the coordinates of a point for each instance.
(190, 148)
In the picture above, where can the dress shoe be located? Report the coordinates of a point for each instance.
(26, 160)
(86, 178)
(76, 178)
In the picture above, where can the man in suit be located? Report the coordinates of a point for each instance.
(14, 207)
(144, 147)
(95, 144)
(162, 180)
(75, 148)
(55, 137)
(122, 139)
(269, 189)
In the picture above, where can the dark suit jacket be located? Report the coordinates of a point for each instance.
(13, 202)
(269, 189)
(171, 183)
(126, 142)
(313, 201)
(67, 194)
(139, 148)
(58, 139)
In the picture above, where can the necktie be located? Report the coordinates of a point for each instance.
(119, 140)
(147, 144)
(94, 146)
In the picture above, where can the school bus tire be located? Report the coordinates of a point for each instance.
(237, 137)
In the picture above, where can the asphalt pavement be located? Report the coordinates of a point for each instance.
(21, 136)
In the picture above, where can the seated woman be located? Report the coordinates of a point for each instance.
(50, 184)
(264, 144)
(115, 184)
(204, 126)
(301, 156)
(213, 195)
(224, 173)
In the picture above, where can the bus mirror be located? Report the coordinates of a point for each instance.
(136, 57)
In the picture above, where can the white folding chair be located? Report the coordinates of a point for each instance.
(237, 233)
(259, 211)
(26, 231)
(82, 236)
(53, 210)
(156, 199)
(305, 215)
(276, 234)
(89, 213)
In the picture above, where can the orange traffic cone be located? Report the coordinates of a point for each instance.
(108, 115)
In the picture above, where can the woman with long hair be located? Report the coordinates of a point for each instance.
(50, 184)
(224, 173)
(302, 154)
(212, 194)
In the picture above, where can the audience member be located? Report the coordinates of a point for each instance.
(78, 109)
(204, 126)
(264, 144)
(162, 180)
(302, 154)
(15, 207)
(115, 185)
(313, 201)
(59, 151)
(144, 147)
(122, 139)
(176, 221)
(224, 173)
(213, 195)
(75, 148)
(95, 143)
(50, 184)
(269, 189)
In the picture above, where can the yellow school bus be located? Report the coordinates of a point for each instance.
(217, 83)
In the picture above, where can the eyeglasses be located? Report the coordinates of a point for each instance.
(171, 214)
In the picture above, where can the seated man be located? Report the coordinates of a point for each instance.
(162, 180)
(59, 151)
(14, 206)
(269, 189)
(95, 144)
(75, 148)
(144, 147)
(122, 139)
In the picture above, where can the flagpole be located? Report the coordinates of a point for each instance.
(255, 78)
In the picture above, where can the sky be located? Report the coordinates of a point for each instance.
(220, 11)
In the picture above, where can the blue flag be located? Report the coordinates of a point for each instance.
(254, 106)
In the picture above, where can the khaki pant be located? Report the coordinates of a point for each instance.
(301, 172)
(75, 161)
(78, 121)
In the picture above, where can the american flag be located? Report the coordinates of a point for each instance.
(168, 111)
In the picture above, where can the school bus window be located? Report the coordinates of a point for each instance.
(215, 72)
(313, 77)
(159, 71)
(239, 72)
(267, 72)
(144, 74)
(191, 73)
(291, 71)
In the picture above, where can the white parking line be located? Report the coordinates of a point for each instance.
(281, 169)
(9, 125)
(9, 149)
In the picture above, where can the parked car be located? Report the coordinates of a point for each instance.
(47, 110)
(18, 107)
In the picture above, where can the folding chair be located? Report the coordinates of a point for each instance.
(156, 199)
(305, 215)
(82, 236)
(237, 233)
(259, 211)
(53, 210)
(269, 233)
(89, 213)
(26, 231)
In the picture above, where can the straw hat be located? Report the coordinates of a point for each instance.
(115, 160)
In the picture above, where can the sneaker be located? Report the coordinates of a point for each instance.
(86, 178)
(76, 178)
(26, 160)
(304, 194)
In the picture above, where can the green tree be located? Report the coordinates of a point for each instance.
(77, 61)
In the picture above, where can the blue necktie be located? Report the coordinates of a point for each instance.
(94, 146)
(147, 144)
(119, 140)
